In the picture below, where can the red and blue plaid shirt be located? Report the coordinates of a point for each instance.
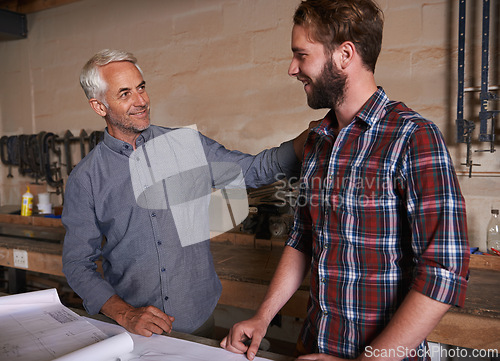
(380, 212)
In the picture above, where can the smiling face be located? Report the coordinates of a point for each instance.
(127, 113)
(324, 83)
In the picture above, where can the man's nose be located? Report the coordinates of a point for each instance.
(141, 99)
(293, 69)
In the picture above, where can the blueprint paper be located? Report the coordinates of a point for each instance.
(161, 348)
(35, 326)
(25, 301)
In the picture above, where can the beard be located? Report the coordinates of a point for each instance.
(329, 89)
(127, 125)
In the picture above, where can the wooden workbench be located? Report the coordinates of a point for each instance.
(246, 265)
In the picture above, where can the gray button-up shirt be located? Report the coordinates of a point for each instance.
(144, 260)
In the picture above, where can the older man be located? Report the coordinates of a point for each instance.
(155, 277)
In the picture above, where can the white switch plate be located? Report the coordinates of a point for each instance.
(20, 258)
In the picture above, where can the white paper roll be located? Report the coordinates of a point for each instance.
(108, 349)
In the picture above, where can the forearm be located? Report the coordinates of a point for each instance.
(287, 278)
(115, 308)
(413, 321)
(289, 274)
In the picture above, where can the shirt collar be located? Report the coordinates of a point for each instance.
(122, 147)
(373, 110)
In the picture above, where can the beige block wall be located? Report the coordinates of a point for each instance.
(222, 64)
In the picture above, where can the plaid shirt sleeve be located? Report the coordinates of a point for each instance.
(302, 235)
(436, 214)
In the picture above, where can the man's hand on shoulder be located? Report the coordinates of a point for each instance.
(298, 143)
(143, 321)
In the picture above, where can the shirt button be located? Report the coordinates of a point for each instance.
(153, 214)
(163, 269)
(323, 280)
(166, 298)
(159, 243)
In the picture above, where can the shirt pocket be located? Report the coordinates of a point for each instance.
(367, 190)
(369, 210)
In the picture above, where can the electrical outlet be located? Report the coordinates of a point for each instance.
(20, 258)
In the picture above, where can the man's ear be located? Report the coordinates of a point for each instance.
(98, 107)
(346, 50)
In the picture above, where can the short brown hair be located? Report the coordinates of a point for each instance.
(332, 22)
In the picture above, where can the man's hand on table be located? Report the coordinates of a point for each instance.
(245, 337)
(143, 321)
(146, 320)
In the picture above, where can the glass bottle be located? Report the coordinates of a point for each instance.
(493, 233)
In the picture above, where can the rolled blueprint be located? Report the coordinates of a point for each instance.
(109, 349)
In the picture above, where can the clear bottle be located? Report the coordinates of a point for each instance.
(493, 233)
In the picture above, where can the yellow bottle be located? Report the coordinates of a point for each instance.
(27, 206)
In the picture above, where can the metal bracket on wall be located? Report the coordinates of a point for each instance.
(487, 118)
(13, 25)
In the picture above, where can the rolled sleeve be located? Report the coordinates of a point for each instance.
(436, 211)
(301, 236)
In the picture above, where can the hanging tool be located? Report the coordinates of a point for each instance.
(94, 139)
(24, 162)
(52, 171)
(67, 151)
(83, 137)
(485, 95)
(4, 154)
(465, 128)
(34, 153)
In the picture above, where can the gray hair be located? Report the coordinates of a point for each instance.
(90, 78)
